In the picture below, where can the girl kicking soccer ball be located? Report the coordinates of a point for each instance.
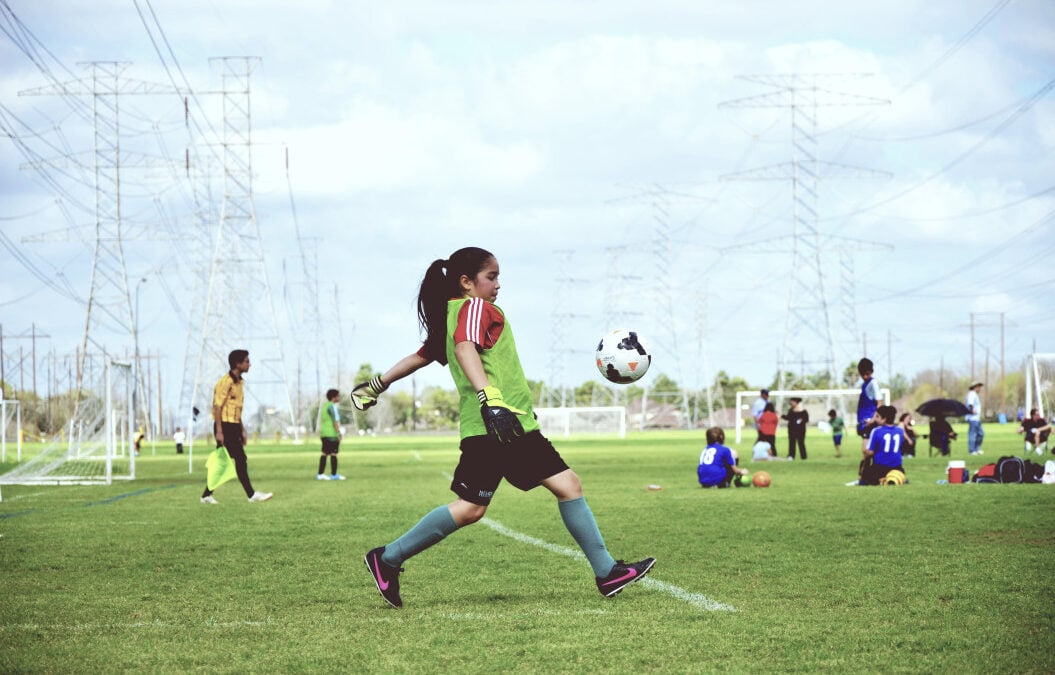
(499, 435)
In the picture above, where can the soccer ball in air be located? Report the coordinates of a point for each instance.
(622, 356)
(760, 479)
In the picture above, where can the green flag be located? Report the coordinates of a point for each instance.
(220, 468)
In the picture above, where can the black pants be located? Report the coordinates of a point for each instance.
(232, 440)
(796, 440)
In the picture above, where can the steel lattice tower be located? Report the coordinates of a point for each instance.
(555, 390)
(109, 298)
(200, 260)
(808, 310)
(620, 291)
(239, 309)
(660, 199)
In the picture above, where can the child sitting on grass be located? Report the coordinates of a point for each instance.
(717, 462)
(882, 451)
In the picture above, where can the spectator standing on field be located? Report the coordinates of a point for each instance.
(868, 401)
(798, 419)
(758, 407)
(975, 434)
(330, 433)
(227, 401)
(179, 437)
(767, 428)
(838, 426)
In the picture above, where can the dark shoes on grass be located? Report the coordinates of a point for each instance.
(622, 575)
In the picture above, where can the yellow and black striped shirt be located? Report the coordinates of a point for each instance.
(229, 397)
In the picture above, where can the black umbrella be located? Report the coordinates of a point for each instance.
(945, 407)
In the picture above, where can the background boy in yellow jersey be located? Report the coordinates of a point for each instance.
(227, 401)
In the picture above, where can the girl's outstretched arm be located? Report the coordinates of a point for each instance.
(365, 394)
(405, 366)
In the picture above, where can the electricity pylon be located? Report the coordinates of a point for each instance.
(808, 310)
(109, 298)
(555, 389)
(239, 308)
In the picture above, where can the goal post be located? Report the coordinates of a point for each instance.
(564, 421)
(11, 428)
(1040, 383)
(817, 401)
(97, 449)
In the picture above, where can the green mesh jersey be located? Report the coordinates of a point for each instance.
(503, 369)
(328, 419)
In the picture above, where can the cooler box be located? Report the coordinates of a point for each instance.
(957, 471)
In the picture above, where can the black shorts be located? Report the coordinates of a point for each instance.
(232, 440)
(873, 473)
(864, 429)
(525, 463)
(330, 446)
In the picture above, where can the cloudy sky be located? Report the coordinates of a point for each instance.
(629, 163)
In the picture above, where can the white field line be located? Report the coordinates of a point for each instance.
(695, 599)
(17, 497)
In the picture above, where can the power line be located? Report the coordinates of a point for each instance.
(1000, 128)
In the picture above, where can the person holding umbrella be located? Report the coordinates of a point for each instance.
(940, 430)
(975, 434)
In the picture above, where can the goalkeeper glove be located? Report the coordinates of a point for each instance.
(365, 394)
(500, 418)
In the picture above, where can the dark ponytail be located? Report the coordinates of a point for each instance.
(440, 284)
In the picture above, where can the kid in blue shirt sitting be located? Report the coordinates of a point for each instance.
(717, 462)
(882, 451)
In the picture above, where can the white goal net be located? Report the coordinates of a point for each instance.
(10, 429)
(817, 402)
(96, 446)
(585, 420)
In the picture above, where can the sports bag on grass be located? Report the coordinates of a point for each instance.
(986, 474)
(1010, 470)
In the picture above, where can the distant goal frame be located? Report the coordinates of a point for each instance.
(560, 422)
(800, 393)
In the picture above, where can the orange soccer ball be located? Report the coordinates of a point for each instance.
(760, 479)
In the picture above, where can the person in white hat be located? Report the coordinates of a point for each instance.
(975, 434)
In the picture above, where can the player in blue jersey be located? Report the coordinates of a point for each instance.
(869, 398)
(717, 462)
(882, 452)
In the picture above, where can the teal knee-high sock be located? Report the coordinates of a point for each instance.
(430, 530)
(579, 520)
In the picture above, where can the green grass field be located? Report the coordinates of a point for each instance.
(808, 575)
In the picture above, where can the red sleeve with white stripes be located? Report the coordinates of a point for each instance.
(479, 322)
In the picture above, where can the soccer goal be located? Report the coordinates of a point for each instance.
(817, 403)
(11, 429)
(585, 420)
(1040, 383)
(97, 448)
